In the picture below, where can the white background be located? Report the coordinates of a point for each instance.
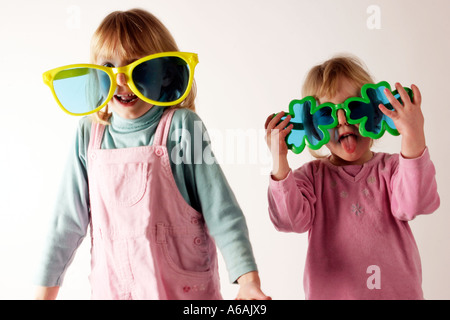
(254, 55)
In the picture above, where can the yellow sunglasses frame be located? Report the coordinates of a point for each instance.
(190, 58)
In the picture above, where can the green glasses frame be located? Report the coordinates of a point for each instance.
(299, 137)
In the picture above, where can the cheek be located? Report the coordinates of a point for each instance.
(366, 142)
(333, 146)
(334, 135)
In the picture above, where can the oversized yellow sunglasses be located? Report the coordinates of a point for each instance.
(163, 79)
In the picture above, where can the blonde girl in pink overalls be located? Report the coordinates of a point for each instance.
(154, 223)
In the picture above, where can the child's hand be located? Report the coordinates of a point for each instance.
(46, 293)
(250, 287)
(276, 133)
(408, 119)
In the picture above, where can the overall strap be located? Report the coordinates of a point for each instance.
(95, 140)
(162, 131)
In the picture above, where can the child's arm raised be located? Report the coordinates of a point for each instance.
(291, 202)
(408, 119)
(414, 184)
(414, 187)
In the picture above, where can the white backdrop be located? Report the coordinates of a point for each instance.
(254, 55)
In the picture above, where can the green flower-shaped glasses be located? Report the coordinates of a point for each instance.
(311, 122)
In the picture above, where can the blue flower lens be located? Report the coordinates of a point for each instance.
(307, 125)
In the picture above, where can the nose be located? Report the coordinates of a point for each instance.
(342, 118)
(121, 79)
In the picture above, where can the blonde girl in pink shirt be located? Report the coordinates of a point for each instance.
(355, 203)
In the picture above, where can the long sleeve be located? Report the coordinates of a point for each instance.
(203, 184)
(292, 200)
(70, 217)
(356, 221)
(414, 188)
(199, 179)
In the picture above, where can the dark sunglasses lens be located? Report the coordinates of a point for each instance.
(359, 109)
(162, 79)
(81, 90)
(320, 117)
(305, 124)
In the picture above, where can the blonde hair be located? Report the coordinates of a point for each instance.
(323, 79)
(130, 34)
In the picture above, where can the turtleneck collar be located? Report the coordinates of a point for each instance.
(123, 125)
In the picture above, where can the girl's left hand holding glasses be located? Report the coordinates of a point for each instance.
(408, 119)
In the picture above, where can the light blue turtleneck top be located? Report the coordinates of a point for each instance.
(201, 183)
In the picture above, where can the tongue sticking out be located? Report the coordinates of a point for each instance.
(349, 143)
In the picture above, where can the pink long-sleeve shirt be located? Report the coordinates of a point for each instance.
(360, 242)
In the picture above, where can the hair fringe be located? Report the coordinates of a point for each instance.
(133, 34)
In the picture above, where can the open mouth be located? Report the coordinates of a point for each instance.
(348, 141)
(344, 136)
(126, 99)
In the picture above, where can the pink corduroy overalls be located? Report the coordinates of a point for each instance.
(147, 242)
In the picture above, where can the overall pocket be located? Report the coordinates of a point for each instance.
(123, 185)
(186, 250)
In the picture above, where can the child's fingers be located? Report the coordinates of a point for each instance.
(390, 113)
(269, 118)
(284, 132)
(280, 134)
(417, 95)
(283, 124)
(272, 121)
(394, 102)
(403, 94)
